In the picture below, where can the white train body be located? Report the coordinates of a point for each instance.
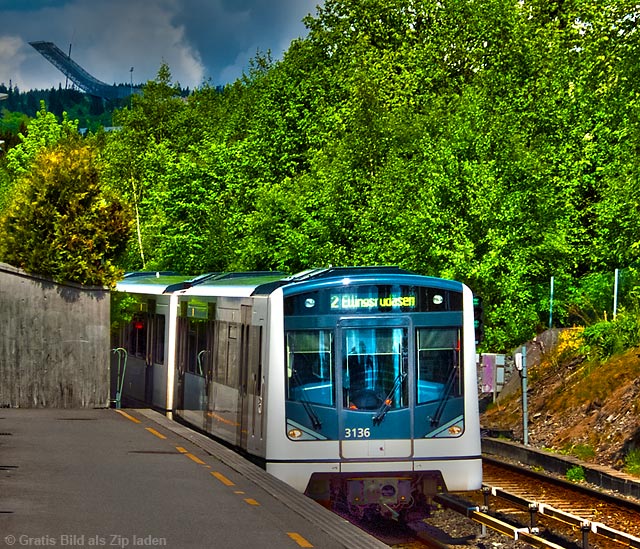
(356, 384)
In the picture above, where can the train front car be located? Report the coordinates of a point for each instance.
(378, 408)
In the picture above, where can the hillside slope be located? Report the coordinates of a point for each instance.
(577, 407)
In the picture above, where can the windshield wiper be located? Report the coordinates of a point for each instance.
(435, 420)
(306, 403)
(386, 404)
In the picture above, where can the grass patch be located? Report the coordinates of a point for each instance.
(583, 452)
(632, 462)
(576, 474)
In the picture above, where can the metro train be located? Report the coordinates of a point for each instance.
(357, 386)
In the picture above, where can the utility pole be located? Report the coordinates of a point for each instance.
(551, 305)
(615, 294)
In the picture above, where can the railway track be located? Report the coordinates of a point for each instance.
(530, 509)
(551, 509)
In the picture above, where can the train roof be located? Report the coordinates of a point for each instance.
(150, 282)
(225, 283)
(240, 284)
(318, 278)
(244, 284)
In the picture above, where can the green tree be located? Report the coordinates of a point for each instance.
(42, 131)
(493, 143)
(62, 222)
(138, 155)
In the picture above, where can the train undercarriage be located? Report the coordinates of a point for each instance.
(397, 496)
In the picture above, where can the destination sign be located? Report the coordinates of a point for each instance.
(372, 299)
(347, 302)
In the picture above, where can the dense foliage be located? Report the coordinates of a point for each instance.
(490, 142)
(61, 222)
(57, 218)
(90, 112)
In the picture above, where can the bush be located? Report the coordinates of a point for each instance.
(62, 223)
(576, 474)
(632, 462)
(583, 452)
(605, 339)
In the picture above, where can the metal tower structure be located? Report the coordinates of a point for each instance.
(78, 75)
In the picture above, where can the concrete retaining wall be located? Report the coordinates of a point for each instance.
(605, 477)
(54, 343)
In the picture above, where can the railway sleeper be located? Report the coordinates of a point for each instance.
(585, 525)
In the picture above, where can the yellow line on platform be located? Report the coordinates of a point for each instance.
(223, 479)
(181, 449)
(299, 539)
(195, 458)
(251, 501)
(156, 433)
(135, 420)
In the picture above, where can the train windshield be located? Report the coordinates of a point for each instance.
(374, 368)
(438, 372)
(310, 368)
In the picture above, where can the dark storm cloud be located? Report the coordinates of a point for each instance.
(26, 5)
(228, 33)
(201, 40)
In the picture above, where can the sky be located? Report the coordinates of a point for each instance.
(202, 41)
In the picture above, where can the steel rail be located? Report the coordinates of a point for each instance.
(475, 514)
(546, 477)
(586, 525)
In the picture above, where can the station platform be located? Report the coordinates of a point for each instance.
(134, 478)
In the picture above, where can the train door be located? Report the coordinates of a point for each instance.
(156, 367)
(194, 355)
(180, 362)
(251, 383)
(375, 412)
(150, 347)
(224, 396)
(142, 339)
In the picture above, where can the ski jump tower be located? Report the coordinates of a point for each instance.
(78, 75)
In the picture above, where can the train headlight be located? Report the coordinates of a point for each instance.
(294, 434)
(309, 303)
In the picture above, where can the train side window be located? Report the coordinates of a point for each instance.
(255, 360)
(158, 340)
(438, 352)
(199, 345)
(181, 344)
(227, 354)
(220, 374)
(310, 368)
(233, 356)
(137, 336)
